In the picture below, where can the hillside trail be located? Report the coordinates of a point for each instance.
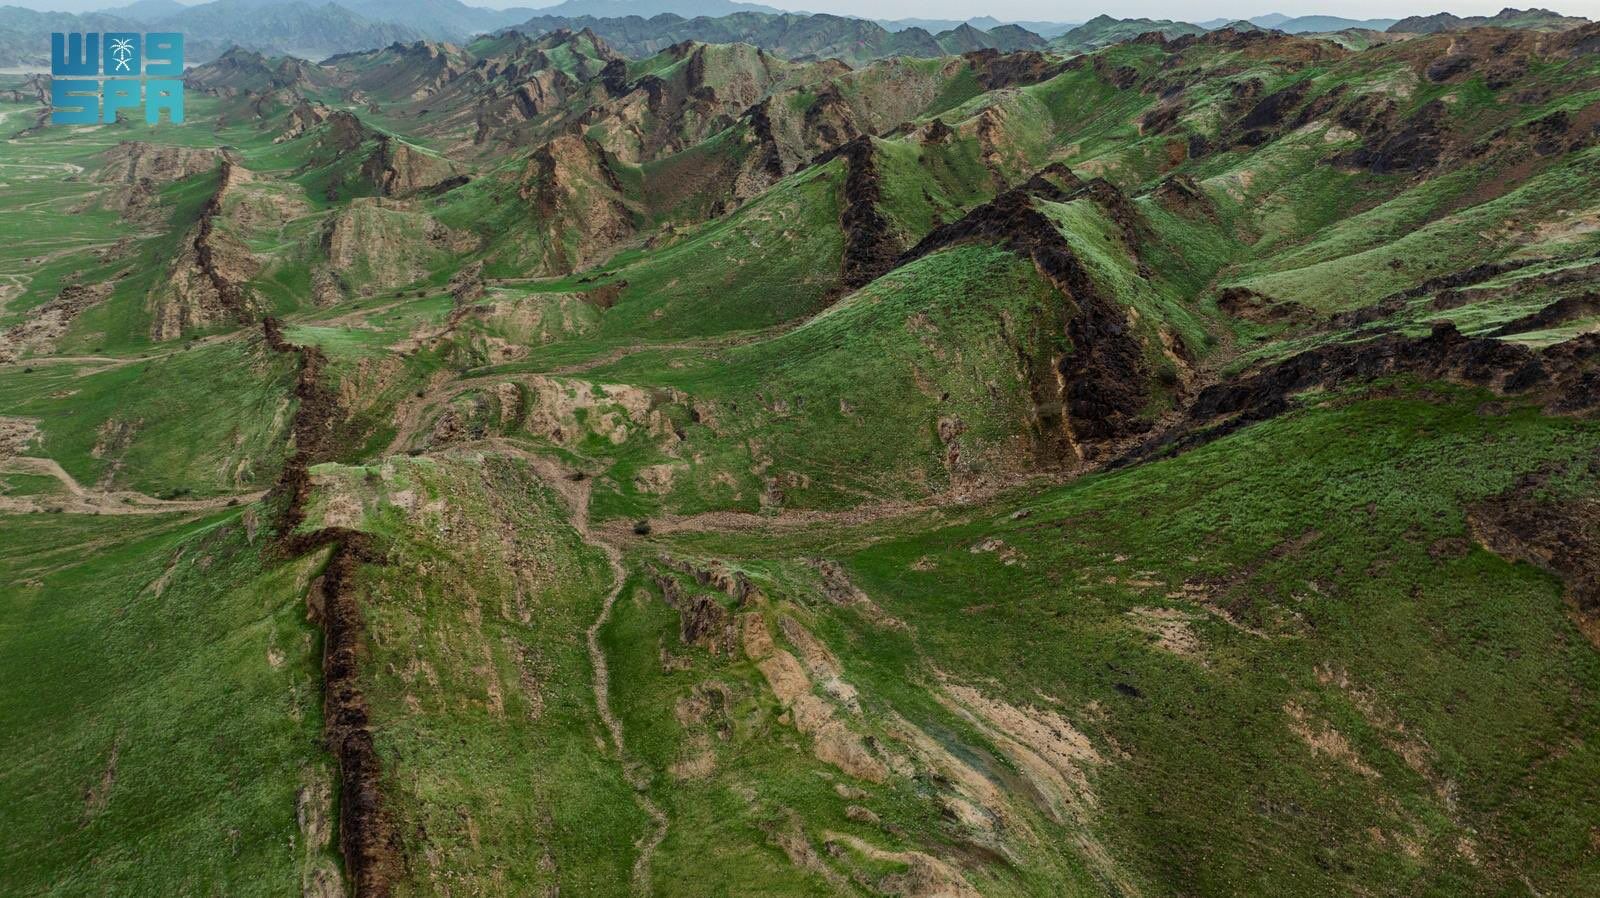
(83, 500)
(575, 494)
(95, 364)
(637, 776)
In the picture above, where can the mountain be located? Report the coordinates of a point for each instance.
(1521, 19)
(982, 23)
(518, 467)
(295, 27)
(1103, 30)
(276, 26)
(449, 20)
(645, 9)
(1304, 24)
(963, 39)
(25, 33)
(1011, 38)
(789, 35)
(147, 10)
(1321, 24)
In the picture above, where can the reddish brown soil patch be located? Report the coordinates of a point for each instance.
(1560, 535)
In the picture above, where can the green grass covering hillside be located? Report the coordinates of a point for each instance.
(1299, 611)
(164, 711)
(1099, 550)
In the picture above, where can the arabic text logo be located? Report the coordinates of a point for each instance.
(84, 93)
(122, 52)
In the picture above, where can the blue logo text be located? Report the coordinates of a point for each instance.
(96, 76)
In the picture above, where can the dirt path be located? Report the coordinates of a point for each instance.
(82, 500)
(634, 772)
(94, 364)
(575, 493)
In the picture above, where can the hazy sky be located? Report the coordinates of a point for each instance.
(1046, 10)
(1043, 10)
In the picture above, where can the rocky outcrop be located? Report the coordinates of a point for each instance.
(1562, 311)
(1564, 377)
(44, 326)
(206, 283)
(1532, 18)
(576, 200)
(33, 89)
(1561, 535)
(398, 169)
(381, 244)
(135, 170)
(415, 70)
(341, 133)
(735, 584)
(1095, 394)
(1184, 195)
(995, 70)
(769, 159)
(305, 116)
(133, 161)
(240, 71)
(828, 122)
(870, 247)
(1414, 144)
(506, 100)
(702, 620)
(368, 840)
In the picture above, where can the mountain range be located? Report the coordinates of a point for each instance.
(317, 28)
(516, 466)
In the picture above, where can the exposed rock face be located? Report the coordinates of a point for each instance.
(702, 619)
(132, 161)
(770, 158)
(386, 244)
(240, 71)
(1096, 394)
(1560, 535)
(1539, 19)
(870, 247)
(399, 169)
(996, 70)
(824, 720)
(305, 116)
(577, 199)
(707, 92)
(1412, 145)
(510, 97)
(373, 851)
(34, 89)
(1249, 305)
(1565, 376)
(343, 133)
(206, 283)
(135, 170)
(1295, 51)
(416, 70)
(370, 844)
(49, 322)
(1571, 308)
(1184, 195)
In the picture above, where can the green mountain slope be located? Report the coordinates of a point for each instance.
(541, 465)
